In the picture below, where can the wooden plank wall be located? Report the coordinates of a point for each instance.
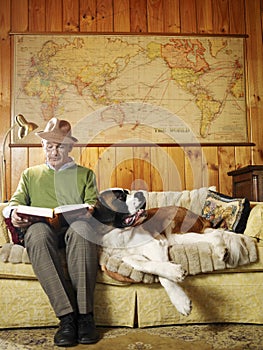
(162, 168)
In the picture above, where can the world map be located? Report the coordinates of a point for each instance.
(133, 88)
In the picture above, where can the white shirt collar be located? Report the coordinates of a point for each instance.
(70, 164)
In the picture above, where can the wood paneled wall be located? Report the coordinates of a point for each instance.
(161, 168)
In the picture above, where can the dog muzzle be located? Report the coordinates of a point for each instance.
(135, 219)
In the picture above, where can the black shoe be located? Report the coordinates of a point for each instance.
(87, 333)
(67, 332)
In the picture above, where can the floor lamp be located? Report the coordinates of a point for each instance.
(24, 128)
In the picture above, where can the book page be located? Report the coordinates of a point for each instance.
(35, 211)
(71, 207)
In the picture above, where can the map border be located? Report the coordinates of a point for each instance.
(165, 141)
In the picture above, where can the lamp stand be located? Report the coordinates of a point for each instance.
(3, 166)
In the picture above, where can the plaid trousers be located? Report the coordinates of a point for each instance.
(72, 293)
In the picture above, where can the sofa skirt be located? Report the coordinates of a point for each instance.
(224, 297)
(216, 298)
(23, 303)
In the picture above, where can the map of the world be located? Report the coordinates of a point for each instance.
(133, 88)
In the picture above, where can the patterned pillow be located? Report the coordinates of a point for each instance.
(226, 212)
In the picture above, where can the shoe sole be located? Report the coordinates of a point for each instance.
(66, 345)
(89, 341)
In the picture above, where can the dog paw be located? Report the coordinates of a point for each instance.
(179, 273)
(177, 296)
(184, 306)
(187, 308)
(173, 272)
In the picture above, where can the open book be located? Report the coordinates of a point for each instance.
(71, 209)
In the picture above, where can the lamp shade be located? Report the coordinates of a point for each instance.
(24, 127)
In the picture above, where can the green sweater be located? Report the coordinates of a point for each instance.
(41, 186)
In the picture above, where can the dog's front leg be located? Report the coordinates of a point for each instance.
(168, 270)
(177, 296)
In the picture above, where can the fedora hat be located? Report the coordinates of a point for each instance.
(58, 131)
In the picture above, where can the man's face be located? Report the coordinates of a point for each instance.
(56, 153)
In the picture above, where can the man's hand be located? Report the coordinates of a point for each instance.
(18, 221)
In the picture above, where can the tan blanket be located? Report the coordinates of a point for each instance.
(195, 259)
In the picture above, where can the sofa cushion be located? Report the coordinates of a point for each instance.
(195, 259)
(17, 271)
(226, 212)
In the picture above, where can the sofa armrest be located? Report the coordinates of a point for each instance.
(4, 236)
(253, 204)
(254, 226)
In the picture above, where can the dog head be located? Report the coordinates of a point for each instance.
(119, 208)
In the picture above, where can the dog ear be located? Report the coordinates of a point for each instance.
(102, 213)
(114, 200)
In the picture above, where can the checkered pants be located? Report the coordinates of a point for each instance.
(72, 293)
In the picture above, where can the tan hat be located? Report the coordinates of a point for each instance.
(58, 131)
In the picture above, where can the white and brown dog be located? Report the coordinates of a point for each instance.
(141, 238)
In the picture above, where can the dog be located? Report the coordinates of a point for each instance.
(141, 238)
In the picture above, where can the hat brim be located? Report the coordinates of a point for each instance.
(55, 137)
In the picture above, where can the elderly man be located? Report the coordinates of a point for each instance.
(60, 181)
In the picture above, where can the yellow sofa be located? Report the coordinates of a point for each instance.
(228, 295)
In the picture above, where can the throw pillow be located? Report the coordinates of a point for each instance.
(226, 212)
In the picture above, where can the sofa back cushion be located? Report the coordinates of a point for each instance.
(190, 199)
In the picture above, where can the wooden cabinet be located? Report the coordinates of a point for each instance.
(248, 182)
